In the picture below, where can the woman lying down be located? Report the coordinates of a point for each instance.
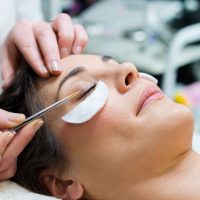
(122, 138)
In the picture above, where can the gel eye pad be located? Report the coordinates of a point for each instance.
(148, 77)
(89, 107)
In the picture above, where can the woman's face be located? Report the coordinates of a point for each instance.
(124, 142)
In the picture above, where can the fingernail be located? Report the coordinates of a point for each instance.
(15, 117)
(9, 138)
(44, 70)
(37, 124)
(77, 49)
(55, 66)
(64, 52)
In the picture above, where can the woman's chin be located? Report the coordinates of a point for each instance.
(185, 118)
(168, 115)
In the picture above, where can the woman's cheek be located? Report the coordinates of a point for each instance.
(106, 121)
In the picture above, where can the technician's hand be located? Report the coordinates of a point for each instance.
(12, 145)
(42, 44)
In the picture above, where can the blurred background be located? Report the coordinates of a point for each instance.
(161, 37)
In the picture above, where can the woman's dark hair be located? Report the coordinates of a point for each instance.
(44, 151)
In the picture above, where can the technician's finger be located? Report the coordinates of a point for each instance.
(9, 120)
(5, 139)
(23, 37)
(48, 44)
(8, 172)
(81, 39)
(7, 68)
(20, 140)
(63, 26)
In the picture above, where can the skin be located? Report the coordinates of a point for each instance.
(41, 45)
(120, 154)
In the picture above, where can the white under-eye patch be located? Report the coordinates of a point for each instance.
(148, 77)
(89, 107)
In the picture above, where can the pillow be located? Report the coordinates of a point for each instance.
(12, 191)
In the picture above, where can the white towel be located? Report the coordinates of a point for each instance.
(12, 191)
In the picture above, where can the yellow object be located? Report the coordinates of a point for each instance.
(181, 98)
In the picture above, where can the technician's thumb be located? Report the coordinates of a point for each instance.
(9, 119)
(25, 135)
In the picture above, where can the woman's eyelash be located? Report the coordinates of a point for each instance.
(85, 92)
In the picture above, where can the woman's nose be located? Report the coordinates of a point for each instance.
(128, 73)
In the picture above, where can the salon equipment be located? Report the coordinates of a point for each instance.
(182, 39)
(47, 109)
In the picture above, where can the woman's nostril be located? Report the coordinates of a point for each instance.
(128, 79)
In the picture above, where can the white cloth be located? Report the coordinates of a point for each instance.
(12, 191)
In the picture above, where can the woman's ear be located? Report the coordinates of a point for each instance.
(62, 189)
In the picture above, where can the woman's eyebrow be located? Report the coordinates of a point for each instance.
(72, 73)
(106, 58)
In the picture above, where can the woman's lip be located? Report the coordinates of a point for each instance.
(148, 95)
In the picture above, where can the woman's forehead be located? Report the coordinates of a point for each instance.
(73, 61)
(48, 87)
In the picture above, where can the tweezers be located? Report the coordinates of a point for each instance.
(45, 110)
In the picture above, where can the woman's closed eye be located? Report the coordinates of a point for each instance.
(89, 106)
(87, 91)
